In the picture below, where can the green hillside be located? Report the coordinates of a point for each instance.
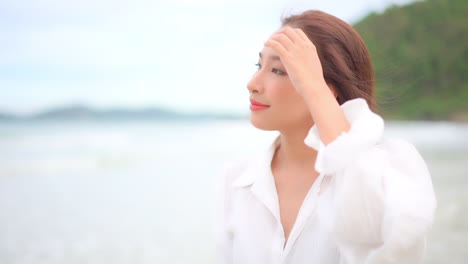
(420, 57)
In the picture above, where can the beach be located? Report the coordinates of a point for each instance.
(142, 191)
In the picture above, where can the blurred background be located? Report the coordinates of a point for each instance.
(116, 116)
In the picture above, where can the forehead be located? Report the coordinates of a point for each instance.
(268, 53)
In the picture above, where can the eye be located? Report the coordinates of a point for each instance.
(259, 66)
(279, 72)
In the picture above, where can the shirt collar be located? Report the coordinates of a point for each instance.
(260, 166)
(357, 113)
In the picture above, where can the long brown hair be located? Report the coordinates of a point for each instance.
(345, 60)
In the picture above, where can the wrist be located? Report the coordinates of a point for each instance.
(317, 92)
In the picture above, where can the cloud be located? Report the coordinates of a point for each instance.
(185, 54)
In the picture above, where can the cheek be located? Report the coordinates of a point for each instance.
(282, 92)
(285, 97)
(288, 108)
(290, 104)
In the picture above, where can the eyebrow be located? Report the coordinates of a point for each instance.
(272, 57)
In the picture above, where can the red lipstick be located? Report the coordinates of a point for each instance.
(254, 105)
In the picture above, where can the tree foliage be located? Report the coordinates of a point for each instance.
(420, 57)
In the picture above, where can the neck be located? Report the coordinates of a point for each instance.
(292, 150)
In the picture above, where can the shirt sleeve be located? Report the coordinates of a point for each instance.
(381, 193)
(223, 236)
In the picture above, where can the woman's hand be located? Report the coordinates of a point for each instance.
(299, 56)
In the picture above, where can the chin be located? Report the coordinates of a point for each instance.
(262, 123)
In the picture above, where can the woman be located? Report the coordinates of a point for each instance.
(330, 189)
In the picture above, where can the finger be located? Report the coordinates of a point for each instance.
(277, 46)
(286, 30)
(284, 40)
(302, 35)
(292, 34)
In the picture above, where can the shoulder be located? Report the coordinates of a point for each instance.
(242, 171)
(402, 154)
(394, 159)
(398, 145)
(407, 181)
(231, 170)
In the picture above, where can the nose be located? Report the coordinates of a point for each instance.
(255, 84)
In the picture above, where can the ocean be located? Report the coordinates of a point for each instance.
(141, 191)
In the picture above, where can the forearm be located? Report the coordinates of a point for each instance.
(326, 113)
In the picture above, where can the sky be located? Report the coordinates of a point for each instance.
(184, 55)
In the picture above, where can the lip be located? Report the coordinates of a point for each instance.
(257, 106)
(253, 102)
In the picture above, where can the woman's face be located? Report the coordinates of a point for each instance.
(270, 85)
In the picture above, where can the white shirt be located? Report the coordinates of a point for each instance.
(373, 202)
